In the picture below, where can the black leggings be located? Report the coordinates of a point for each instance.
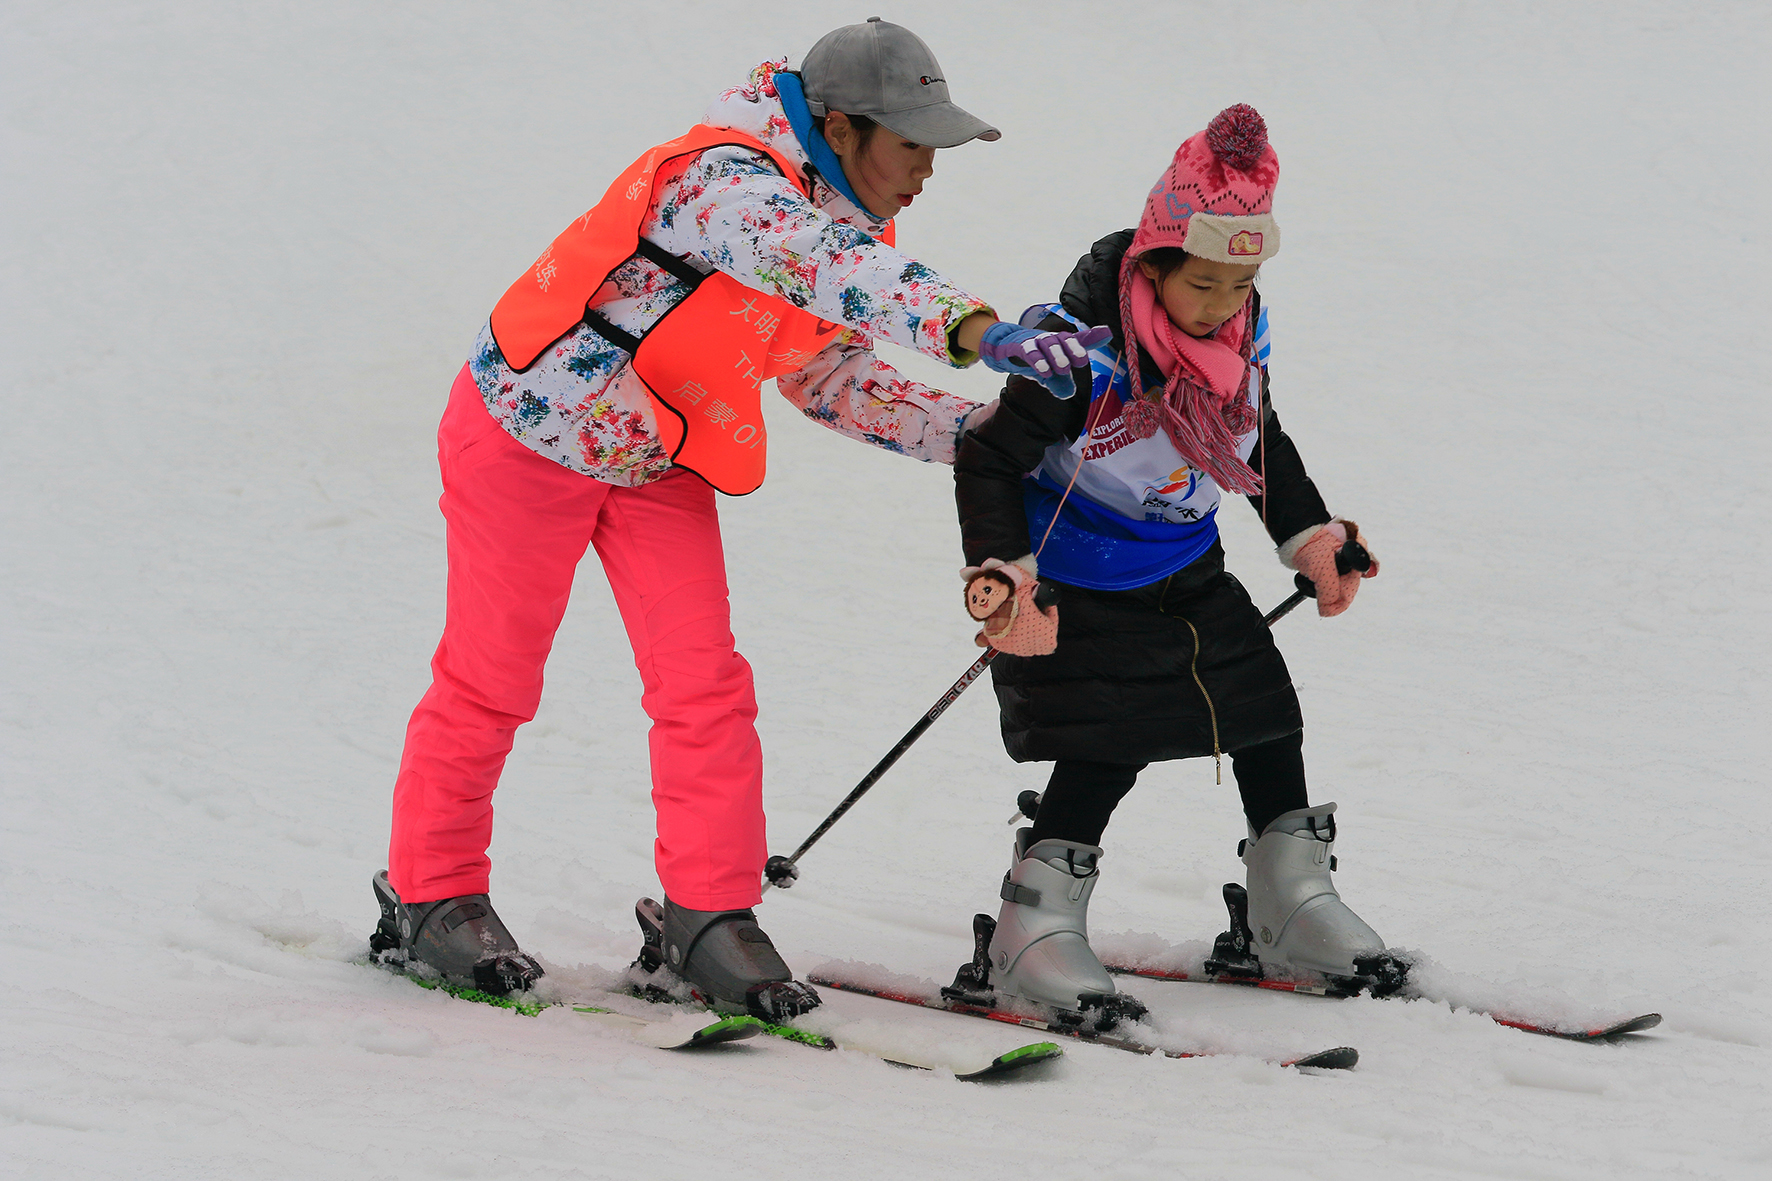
(1080, 797)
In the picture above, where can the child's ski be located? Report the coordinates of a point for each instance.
(999, 1067)
(1589, 1033)
(1339, 1058)
(1380, 975)
(1597, 1034)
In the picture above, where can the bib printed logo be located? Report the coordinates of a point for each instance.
(1164, 501)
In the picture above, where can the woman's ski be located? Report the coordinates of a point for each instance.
(1002, 1065)
(667, 1034)
(651, 1032)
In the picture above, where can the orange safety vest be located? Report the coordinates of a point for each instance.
(703, 363)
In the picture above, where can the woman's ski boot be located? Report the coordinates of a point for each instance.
(1291, 917)
(1037, 949)
(726, 960)
(461, 939)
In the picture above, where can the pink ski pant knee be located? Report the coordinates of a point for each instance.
(517, 526)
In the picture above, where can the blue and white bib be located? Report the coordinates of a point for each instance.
(1139, 511)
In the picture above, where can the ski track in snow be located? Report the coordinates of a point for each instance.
(1520, 335)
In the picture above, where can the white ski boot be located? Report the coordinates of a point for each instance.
(1292, 917)
(1038, 947)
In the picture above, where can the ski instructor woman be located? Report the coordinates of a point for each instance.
(614, 389)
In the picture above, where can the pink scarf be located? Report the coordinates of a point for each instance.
(1203, 406)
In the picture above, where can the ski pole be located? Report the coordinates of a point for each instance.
(1350, 557)
(781, 871)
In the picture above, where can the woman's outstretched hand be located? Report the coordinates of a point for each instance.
(1047, 357)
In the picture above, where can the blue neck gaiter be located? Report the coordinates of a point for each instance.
(825, 161)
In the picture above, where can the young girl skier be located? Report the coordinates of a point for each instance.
(1160, 653)
(613, 390)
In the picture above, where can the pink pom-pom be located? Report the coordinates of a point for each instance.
(1142, 418)
(1238, 136)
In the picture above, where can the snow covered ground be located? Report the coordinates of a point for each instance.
(1521, 335)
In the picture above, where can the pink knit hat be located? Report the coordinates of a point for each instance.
(1216, 198)
(1215, 201)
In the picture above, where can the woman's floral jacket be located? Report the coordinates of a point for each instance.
(580, 403)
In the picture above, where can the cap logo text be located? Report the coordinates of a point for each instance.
(1245, 243)
(928, 81)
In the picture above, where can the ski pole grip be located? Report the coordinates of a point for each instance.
(1352, 557)
(781, 872)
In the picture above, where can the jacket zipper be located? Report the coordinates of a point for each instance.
(1193, 668)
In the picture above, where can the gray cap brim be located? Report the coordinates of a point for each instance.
(938, 125)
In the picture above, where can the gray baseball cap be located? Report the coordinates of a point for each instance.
(884, 71)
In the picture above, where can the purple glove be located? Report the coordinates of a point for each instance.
(1047, 357)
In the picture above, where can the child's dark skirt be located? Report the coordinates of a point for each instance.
(1150, 674)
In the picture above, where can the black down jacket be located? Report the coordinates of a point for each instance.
(1177, 669)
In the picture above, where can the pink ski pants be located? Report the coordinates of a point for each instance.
(517, 526)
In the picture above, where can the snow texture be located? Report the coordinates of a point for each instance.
(1520, 335)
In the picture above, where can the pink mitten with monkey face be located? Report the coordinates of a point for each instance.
(1001, 596)
(1315, 559)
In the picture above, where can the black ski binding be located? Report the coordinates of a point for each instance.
(972, 983)
(386, 936)
(1384, 973)
(1233, 952)
(1104, 1011)
(647, 977)
(650, 916)
(776, 1001)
